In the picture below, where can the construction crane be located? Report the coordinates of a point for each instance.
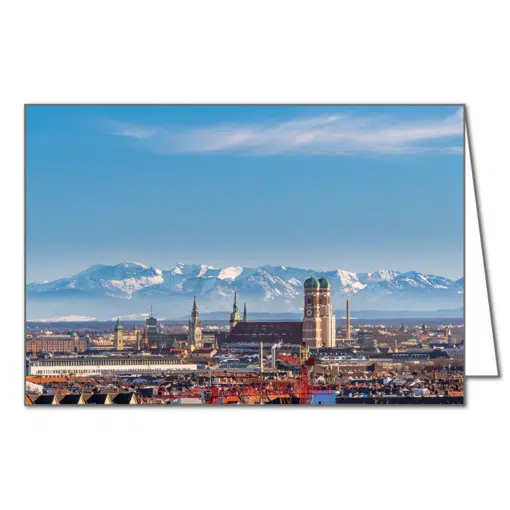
(306, 363)
(290, 360)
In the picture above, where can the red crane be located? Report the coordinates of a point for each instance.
(306, 363)
(292, 360)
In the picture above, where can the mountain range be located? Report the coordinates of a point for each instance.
(130, 288)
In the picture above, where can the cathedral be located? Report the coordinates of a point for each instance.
(319, 323)
(318, 328)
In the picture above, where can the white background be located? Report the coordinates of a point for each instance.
(265, 51)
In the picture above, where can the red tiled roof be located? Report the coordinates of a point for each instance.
(287, 332)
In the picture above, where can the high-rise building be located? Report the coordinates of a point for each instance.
(195, 327)
(235, 316)
(152, 328)
(245, 315)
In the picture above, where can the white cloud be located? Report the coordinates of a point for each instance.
(334, 135)
(131, 130)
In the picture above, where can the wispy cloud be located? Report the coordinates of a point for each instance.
(130, 130)
(332, 135)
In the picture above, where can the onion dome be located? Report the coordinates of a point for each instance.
(311, 283)
(118, 326)
(324, 283)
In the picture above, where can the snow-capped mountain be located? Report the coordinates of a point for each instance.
(68, 318)
(129, 288)
(120, 281)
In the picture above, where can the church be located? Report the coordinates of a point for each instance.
(317, 329)
(319, 322)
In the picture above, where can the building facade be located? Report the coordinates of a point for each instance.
(195, 328)
(56, 344)
(104, 365)
(328, 320)
(318, 328)
(319, 322)
(367, 340)
(119, 336)
(152, 330)
(312, 334)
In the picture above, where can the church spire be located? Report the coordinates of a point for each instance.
(245, 315)
(194, 311)
(195, 327)
(235, 316)
(118, 325)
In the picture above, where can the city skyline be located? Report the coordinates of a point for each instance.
(379, 187)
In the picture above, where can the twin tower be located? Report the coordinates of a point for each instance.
(319, 323)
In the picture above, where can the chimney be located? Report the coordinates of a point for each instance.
(348, 321)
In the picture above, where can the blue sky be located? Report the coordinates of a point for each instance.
(356, 188)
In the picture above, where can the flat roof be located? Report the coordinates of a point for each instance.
(154, 357)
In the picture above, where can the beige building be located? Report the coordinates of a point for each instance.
(119, 336)
(319, 322)
(127, 338)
